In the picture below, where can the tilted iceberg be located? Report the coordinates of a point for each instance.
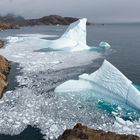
(108, 83)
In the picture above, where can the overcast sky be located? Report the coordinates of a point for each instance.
(94, 10)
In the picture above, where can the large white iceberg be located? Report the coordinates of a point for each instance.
(74, 38)
(108, 83)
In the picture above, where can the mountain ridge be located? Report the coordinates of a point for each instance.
(46, 20)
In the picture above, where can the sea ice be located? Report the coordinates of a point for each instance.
(27, 37)
(11, 39)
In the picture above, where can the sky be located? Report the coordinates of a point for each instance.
(95, 10)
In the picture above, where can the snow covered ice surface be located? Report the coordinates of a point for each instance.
(33, 101)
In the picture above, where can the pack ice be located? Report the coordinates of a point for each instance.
(108, 83)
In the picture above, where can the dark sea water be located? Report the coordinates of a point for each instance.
(124, 54)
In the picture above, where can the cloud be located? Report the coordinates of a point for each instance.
(97, 10)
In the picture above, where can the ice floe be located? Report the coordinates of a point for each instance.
(104, 45)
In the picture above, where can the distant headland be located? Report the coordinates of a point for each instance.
(11, 21)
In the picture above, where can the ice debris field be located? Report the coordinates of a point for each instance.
(105, 99)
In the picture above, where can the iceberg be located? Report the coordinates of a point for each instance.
(104, 45)
(74, 38)
(107, 83)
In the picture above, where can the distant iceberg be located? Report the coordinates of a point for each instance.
(104, 45)
(107, 83)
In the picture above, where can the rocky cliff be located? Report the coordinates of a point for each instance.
(80, 132)
(1, 43)
(4, 70)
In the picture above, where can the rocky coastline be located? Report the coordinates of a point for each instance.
(80, 132)
(6, 25)
(1, 43)
(4, 71)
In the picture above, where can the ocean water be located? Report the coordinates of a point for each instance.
(124, 54)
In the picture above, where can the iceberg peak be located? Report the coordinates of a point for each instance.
(77, 31)
(74, 38)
